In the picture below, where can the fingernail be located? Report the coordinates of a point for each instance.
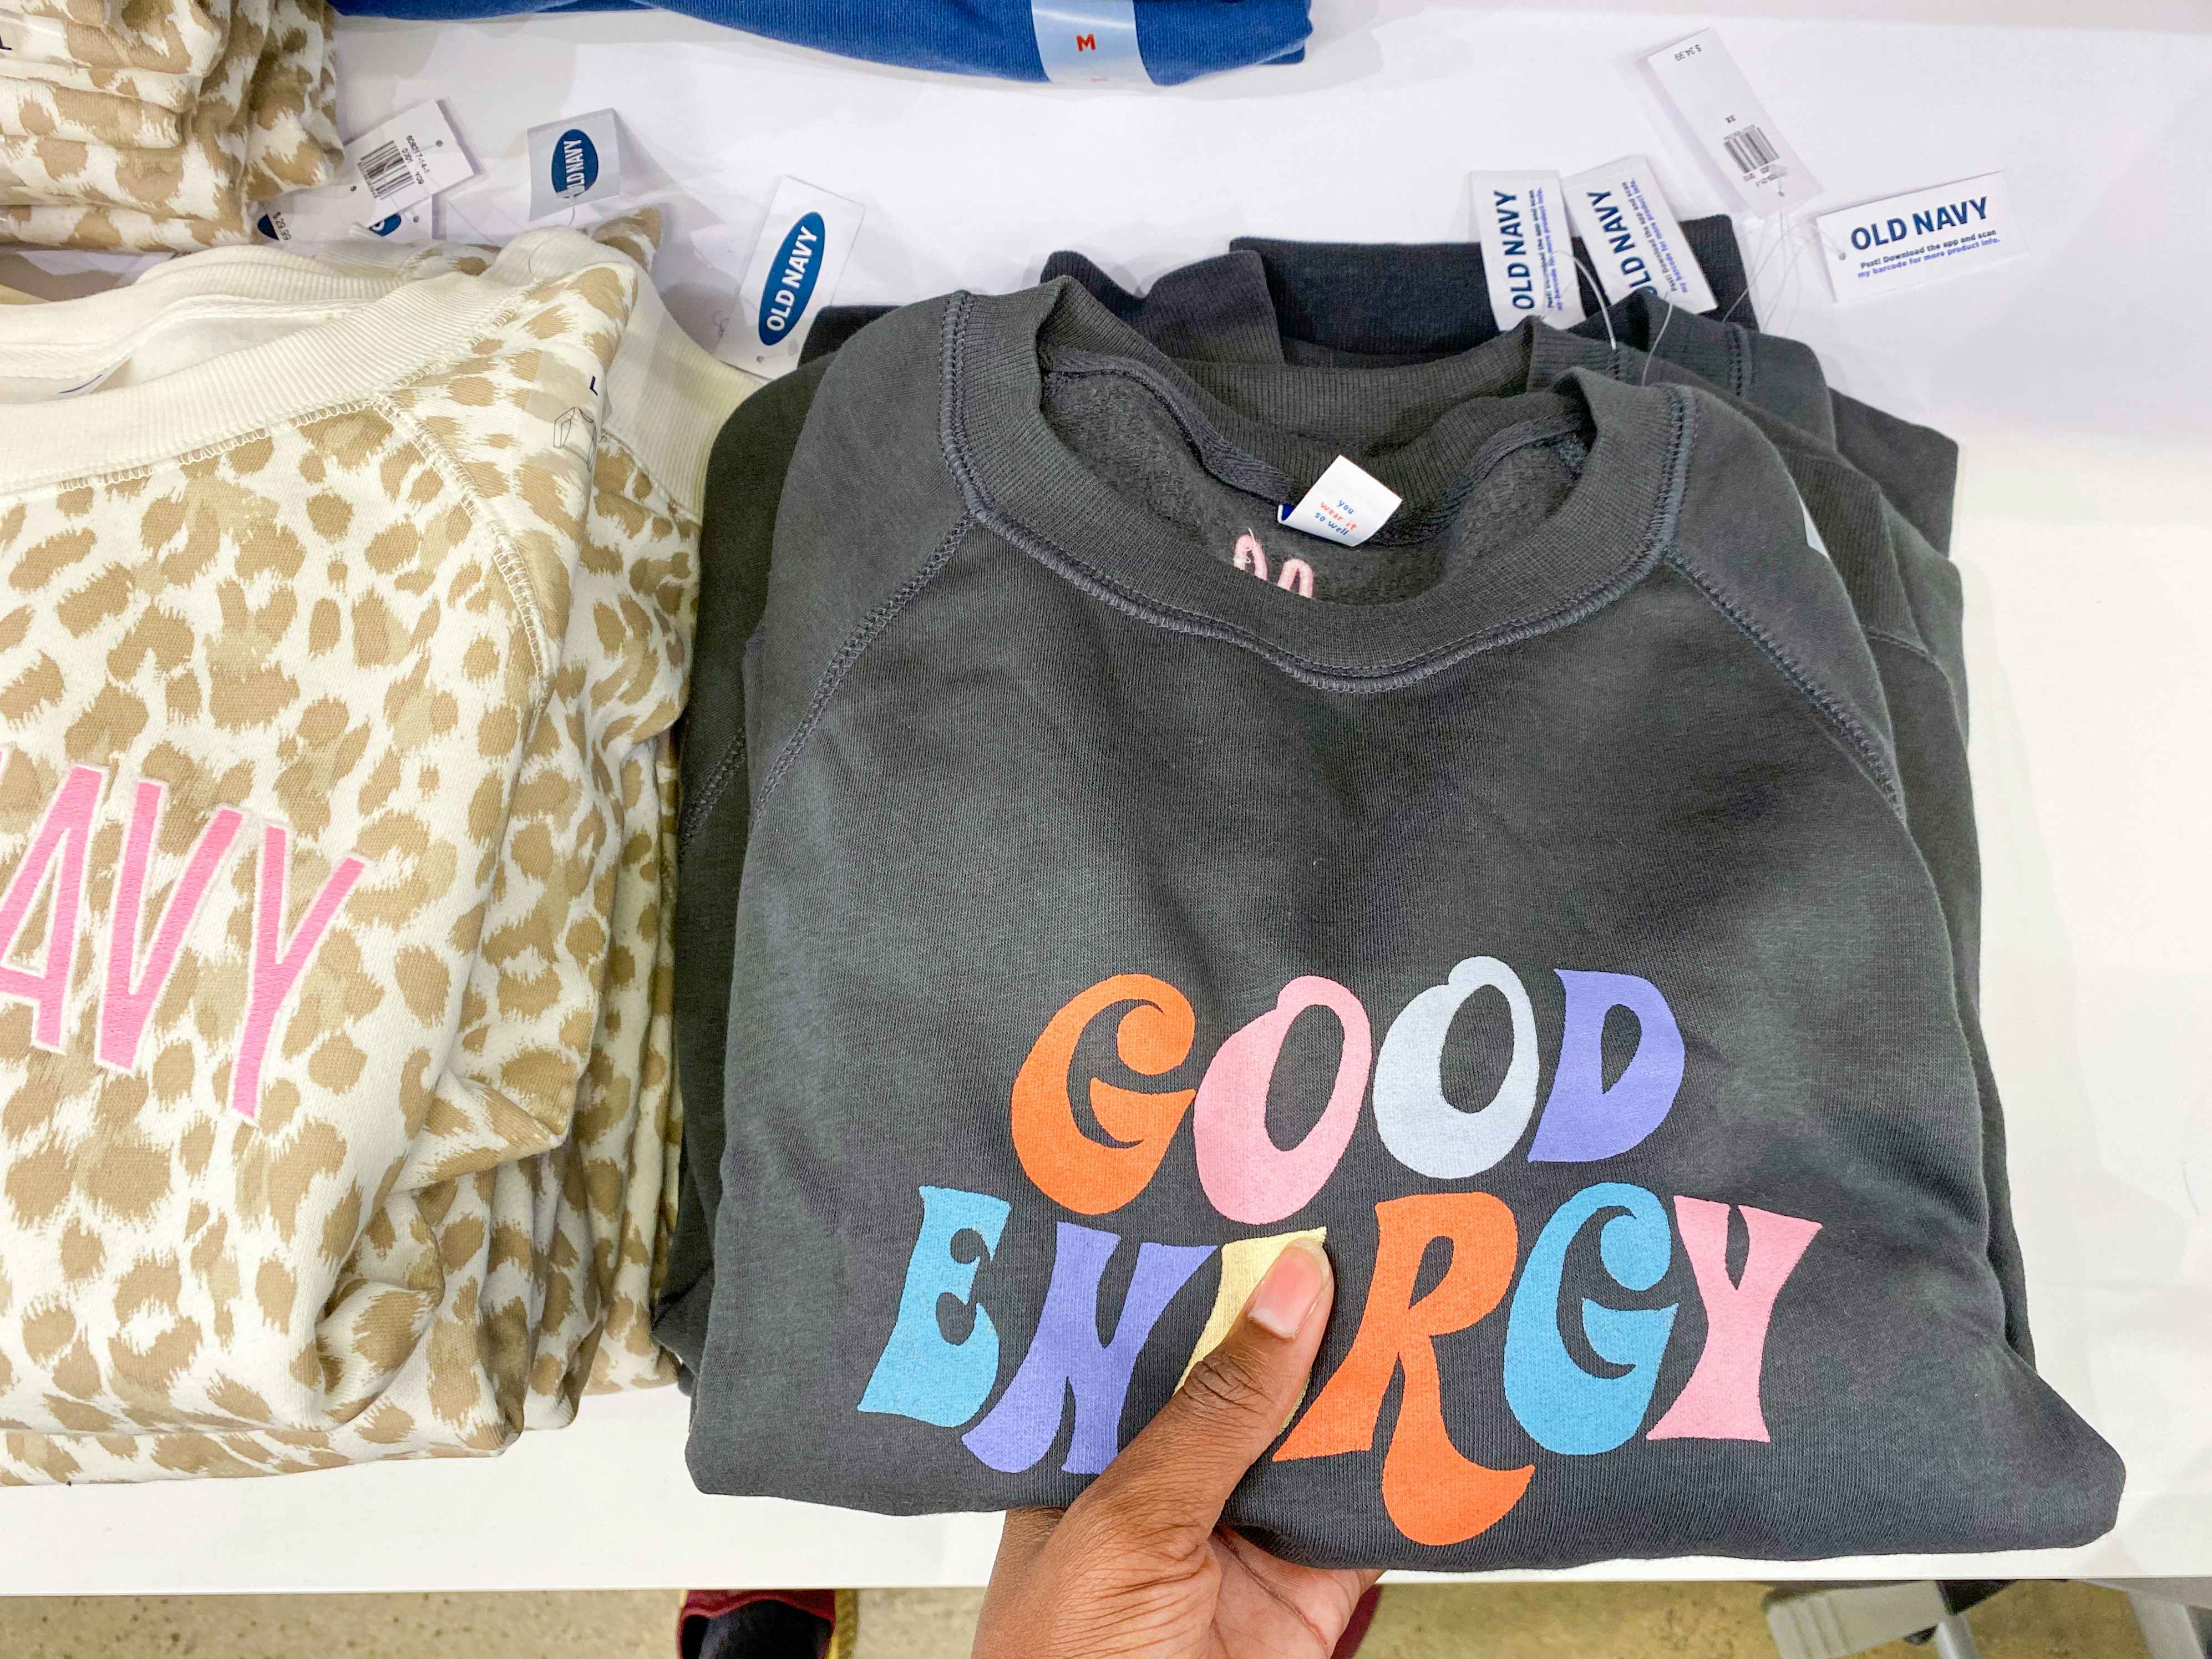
(1291, 1290)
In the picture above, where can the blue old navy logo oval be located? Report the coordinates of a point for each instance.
(791, 278)
(385, 226)
(575, 163)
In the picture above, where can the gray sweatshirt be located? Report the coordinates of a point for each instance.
(1532, 909)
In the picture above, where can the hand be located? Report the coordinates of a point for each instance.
(1140, 1565)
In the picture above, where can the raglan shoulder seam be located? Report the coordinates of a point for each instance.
(1857, 741)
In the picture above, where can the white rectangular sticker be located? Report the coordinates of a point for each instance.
(409, 158)
(1345, 504)
(1632, 235)
(1527, 253)
(794, 273)
(1084, 42)
(1922, 236)
(1731, 126)
(574, 161)
(320, 216)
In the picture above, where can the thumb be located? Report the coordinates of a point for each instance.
(1186, 1462)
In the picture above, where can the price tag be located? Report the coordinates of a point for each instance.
(574, 161)
(410, 159)
(1633, 238)
(1724, 115)
(1527, 258)
(794, 271)
(1922, 236)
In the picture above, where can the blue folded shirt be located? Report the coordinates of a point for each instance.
(1178, 39)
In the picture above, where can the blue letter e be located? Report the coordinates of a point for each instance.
(920, 1374)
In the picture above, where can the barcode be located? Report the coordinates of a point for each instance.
(386, 172)
(1751, 150)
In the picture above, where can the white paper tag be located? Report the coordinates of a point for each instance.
(1631, 234)
(319, 215)
(1083, 42)
(1527, 258)
(1345, 504)
(1923, 236)
(575, 160)
(1813, 538)
(1714, 101)
(410, 159)
(794, 273)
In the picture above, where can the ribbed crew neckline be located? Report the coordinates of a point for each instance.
(384, 336)
(1024, 483)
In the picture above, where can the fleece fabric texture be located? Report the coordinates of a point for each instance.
(1178, 39)
(1549, 934)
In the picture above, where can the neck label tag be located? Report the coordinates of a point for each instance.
(1346, 505)
(1723, 114)
(1527, 258)
(794, 271)
(1922, 236)
(1088, 42)
(574, 161)
(1632, 236)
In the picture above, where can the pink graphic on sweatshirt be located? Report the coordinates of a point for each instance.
(1721, 1400)
(277, 964)
(1297, 577)
(126, 1005)
(1250, 555)
(66, 828)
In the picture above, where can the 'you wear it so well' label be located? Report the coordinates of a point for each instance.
(1633, 236)
(1527, 253)
(1345, 504)
(1923, 236)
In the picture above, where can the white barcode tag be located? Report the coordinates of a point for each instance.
(574, 161)
(800, 254)
(1346, 504)
(1527, 258)
(1923, 236)
(1632, 236)
(1724, 115)
(410, 159)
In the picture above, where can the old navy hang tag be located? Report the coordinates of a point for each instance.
(796, 263)
(1922, 236)
(1088, 42)
(1731, 126)
(1632, 237)
(574, 161)
(1345, 504)
(1527, 253)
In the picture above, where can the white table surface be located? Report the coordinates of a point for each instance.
(2079, 381)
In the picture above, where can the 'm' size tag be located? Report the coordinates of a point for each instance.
(574, 162)
(1632, 236)
(793, 272)
(1922, 236)
(1345, 504)
(1083, 42)
(1527, 258)
(1733, 127)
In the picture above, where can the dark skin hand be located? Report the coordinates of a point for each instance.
(1139, 1566)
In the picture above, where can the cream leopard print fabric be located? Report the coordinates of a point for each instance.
(456, 1294)
(173, 37)
(83, 167)
(578, 1234)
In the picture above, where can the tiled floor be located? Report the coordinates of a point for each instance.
(1625, 1621)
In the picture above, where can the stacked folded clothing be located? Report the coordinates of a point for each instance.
(343, 1116)
(1559, 898)
(1172, 41)
(157, 125)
